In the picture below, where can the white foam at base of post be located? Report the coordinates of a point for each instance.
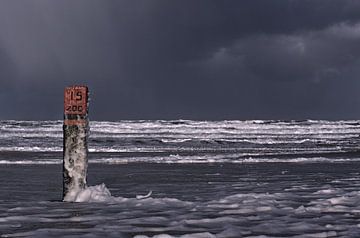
(97, 193)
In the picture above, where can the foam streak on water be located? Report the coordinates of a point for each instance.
(193, 141)
(226, 179)
(258, 200)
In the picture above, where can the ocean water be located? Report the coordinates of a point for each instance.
(207, 179)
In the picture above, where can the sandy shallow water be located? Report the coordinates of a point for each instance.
(188, 200)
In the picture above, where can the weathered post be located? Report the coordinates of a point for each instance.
(75, 129)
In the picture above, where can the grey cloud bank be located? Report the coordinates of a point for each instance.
(182, 59)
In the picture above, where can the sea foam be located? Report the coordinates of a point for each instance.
(99, 193)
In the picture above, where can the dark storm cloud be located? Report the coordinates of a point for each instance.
(182, 59)
(311, 55)
(7, 71)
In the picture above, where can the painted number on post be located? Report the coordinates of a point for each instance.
(75, 100)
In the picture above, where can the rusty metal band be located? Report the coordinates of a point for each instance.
(75, 116)
(80, 122)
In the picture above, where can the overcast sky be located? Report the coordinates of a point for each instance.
(248, 59)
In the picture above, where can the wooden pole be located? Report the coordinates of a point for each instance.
(75, 149)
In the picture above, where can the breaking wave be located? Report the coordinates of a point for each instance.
(201, 141)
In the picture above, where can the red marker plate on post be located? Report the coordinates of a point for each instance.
(75, 100)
